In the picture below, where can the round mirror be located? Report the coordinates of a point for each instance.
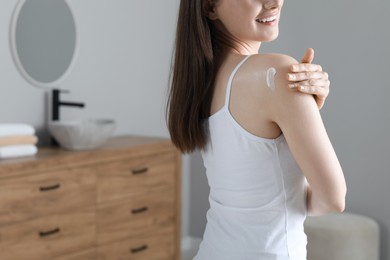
(44, 41)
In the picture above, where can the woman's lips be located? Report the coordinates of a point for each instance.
(269, 20)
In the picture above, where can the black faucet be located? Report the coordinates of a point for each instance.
(56, 103)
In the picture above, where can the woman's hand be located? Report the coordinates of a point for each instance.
(309, 78)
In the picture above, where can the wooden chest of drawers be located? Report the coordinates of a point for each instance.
(118, 202)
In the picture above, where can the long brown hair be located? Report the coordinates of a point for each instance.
(199, 51)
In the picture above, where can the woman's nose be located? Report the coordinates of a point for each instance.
(273, 4)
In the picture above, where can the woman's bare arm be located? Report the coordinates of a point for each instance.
(298, 117)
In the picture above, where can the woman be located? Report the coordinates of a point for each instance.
(268, 158)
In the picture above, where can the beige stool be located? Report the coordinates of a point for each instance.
(342, 237)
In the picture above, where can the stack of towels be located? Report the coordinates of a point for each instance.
(17, 140)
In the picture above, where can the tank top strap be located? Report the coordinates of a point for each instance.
(229, 84)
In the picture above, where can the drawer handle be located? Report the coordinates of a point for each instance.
(139, 210)
(138, 249)
(139, 171)
(49, 232)
(48, 188)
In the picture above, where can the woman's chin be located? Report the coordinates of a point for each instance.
(270, 37)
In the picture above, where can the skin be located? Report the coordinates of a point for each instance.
(267, 112)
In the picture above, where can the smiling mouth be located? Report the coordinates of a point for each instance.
(267, 19)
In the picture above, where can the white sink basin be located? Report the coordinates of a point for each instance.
(83, 134)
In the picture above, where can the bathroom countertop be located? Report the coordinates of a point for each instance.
(51, 157)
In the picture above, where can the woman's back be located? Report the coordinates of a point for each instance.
(257, 191)
(249, 98)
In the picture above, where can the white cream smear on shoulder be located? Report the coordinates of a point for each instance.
(271, 78)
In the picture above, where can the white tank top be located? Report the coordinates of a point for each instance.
(257, 194)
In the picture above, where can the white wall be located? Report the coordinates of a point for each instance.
(352, 40)
(121, 72)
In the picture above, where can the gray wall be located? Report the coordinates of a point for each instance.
(121, 72)
(351, 39)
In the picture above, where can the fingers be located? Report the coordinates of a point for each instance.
(308, 56)
(316, 87)
(305, 67)
(306, 75)
(319, 91)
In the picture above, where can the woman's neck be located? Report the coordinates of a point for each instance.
(247, 48)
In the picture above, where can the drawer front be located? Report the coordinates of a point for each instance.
(134, 176)
(87, 254)
(129, 217)
(158, 245)
(48, 237)
(41, 194)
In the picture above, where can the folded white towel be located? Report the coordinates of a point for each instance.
(17, 150)
(16, 129)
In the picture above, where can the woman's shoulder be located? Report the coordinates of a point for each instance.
(277, 60)
(257, 69)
